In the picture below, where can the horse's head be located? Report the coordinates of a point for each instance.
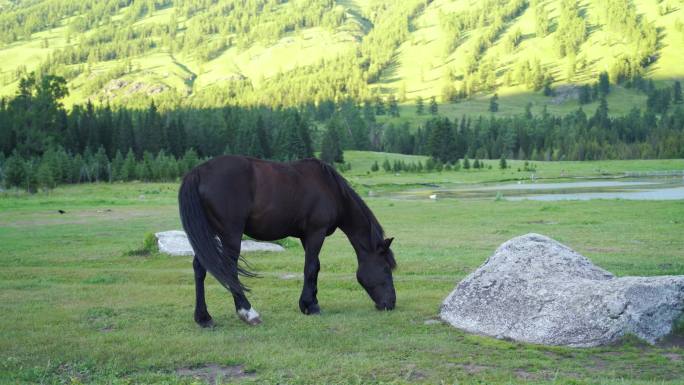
(375, 275)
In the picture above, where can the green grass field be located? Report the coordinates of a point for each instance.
(79, 305)
(362, 177)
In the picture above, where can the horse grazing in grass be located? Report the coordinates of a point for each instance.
(229, 196)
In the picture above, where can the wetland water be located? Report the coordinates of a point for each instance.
(644, 188)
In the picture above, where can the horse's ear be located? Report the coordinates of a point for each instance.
(387, 243)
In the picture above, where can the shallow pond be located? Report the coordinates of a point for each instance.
(645, 188)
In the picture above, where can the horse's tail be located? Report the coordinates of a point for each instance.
(202, 237)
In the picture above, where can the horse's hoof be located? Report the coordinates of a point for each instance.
(206, 324)
(313, 310)
(250, 317)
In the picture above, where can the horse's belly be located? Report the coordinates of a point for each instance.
(267, 228)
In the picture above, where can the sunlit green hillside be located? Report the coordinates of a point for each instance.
(277, 53)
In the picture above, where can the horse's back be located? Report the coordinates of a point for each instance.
(295, 196)
(272, 199)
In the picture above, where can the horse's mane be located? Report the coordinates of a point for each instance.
(377, 234)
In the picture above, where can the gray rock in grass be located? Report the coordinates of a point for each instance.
(536, 290)
(175, 242)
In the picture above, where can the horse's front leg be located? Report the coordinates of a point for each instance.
(308, 303)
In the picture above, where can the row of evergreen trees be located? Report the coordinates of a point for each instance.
(431, 164)
(92, 142)
(57, 166)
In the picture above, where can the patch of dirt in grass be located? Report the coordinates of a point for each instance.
(101, 318)
(473, 368)
(78, 217)
(673, 356)
(411, 374)
(526, 375)
(541, 222)
(674, 340)
(604, 249)
(212, 372)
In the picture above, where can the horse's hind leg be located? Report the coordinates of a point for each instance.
(231, 249)
(202, 316)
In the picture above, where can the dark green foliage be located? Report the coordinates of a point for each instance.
(399, 139)
(502, 163)
(433, 106)
(379, 106)
(585, 94)
(15, 170)
(658, 100)
(494, 103)
(420, 106)
(393, 106)
(603, 84)
(677, 92)
(375, 166)
(441, 140)
(88, 143)
(331, 152)
(386, 166)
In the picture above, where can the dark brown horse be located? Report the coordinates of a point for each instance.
(229, 196)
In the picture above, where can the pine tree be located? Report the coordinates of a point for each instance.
(128, 170)
(393, 106)
(368, 112)
(102, 168)
(375, 166)
(603, 84)
(190, 160)
(261, 144)
(466, 163)
(502, 163)
(117, 166)
(433, 106)
(386, 165)
(44, 176)
(584, 94)
(677, 92)
(420, 107)
(15, 170)
(493, 103)
(379, 106)
(331, 151)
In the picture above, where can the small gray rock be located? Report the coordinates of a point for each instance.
(175, 242)
(534, 289)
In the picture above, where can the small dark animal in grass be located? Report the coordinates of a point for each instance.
(233, 195)
(61, 211)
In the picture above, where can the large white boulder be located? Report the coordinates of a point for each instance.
(534, 289)
(175, 242)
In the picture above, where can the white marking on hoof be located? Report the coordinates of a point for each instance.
(250, 316)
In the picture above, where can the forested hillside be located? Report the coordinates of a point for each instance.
(205, 53)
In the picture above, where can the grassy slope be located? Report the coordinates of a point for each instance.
(76, 307)
(420, 65)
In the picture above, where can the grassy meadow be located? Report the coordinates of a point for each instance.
(82, 304)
